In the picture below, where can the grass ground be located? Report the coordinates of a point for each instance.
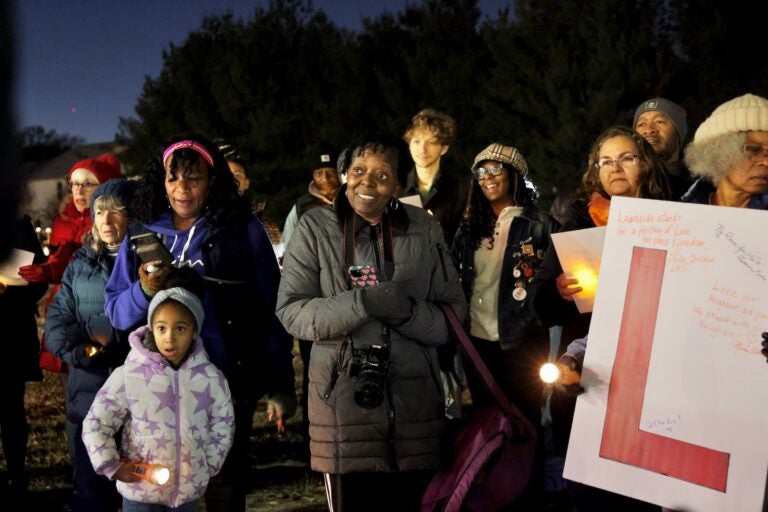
(279, 482)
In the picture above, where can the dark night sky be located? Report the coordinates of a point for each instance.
(82, 63)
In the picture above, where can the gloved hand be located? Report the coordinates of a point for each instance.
(765, 346)
(53, 270)
(42, 273)
(153, 282)
(280, 407)
(387, 300)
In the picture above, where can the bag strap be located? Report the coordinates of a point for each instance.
(477, 361)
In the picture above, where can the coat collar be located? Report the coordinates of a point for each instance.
(398, 216)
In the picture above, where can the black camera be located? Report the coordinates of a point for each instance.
(370, 366)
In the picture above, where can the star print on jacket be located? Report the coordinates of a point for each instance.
(180, 418)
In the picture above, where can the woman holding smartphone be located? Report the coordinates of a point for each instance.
(363, 278)
(189, 198)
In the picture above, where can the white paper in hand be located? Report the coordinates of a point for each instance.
(9, 269)
(579, 253)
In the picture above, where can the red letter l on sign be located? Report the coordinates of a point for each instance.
(623, 441)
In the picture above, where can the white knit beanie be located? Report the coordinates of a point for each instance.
(743, 114)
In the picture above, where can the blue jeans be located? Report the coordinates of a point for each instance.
(135, 506)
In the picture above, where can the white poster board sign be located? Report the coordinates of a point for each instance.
(674, 410)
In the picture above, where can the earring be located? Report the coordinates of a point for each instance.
(394, 204)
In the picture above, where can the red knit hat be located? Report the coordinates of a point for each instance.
(104, 167)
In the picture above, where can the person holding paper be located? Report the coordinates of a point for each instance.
(21, 351)
(729, 154)
(620, 163)
(440, 185)
(69, 227)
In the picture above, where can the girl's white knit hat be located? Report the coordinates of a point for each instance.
(183, 296)
(746, 113)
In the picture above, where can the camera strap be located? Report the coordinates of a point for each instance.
(382, 239)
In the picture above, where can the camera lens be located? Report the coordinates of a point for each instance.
(369, 390)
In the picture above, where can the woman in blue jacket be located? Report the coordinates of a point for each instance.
(189, 199)
(79, 333)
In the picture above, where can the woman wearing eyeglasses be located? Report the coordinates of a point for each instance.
(69, 228)
(499, 245)
(729, 154)
(620, 163)
(74, 221)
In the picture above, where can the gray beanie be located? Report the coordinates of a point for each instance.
(673, 111)
(182, 295)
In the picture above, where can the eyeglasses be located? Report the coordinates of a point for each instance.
(482, 172)
(608, 164)
(87, 185)
(754, 152)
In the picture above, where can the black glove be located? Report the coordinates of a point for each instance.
(387, 300)
(765, 346)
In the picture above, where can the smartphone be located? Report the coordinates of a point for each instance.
(363, 276)
(150, 248)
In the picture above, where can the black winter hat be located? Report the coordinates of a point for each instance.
(323, 159)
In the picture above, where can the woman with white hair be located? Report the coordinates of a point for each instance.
(730, 155)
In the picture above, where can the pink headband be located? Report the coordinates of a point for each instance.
(196, 146)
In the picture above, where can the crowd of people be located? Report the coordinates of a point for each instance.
(176, 313)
